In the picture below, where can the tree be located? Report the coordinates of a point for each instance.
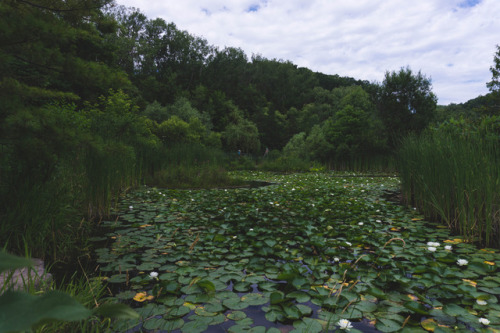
(406, 103)
(494, 84)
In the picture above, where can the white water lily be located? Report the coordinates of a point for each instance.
(130, 207)
(378, 221)
(448, 247)
(234, 237)
(344, 324)
(153, 275)
(336, 259)
(360, 223)
(349, 243)
(481, 302)
(431, 249)
(462, 262)
(251, 229)
(433, 244)
(484, 321)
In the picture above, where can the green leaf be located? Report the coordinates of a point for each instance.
(20, 310)
(276, 297)
(307, 325)
(11, 262)
(117, 311)
(206, 285)
(236, 315)
(387, 325)
(416, 307)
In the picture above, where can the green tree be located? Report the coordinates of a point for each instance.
(242, 135)
(406, 103)
(494, 84)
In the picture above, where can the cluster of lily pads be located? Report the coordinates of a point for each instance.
(311, 253)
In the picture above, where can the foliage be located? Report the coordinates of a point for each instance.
(494, 84)
(406, 103)
(308, 250)
(21, 311)
(451, 173)
(242, 135)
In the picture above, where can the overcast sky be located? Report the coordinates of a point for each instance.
(451, 41)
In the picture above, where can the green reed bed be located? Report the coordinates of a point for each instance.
(456, 179)
(192, 166)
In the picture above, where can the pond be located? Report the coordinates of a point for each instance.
(312, 252)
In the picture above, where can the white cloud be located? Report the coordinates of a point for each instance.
(451, 41)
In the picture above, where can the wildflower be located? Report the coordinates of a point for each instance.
(431, 249)
(481, 302)
(434, 244)
(462, 262)
(448, 247)
(344, 324)
(153, 275)
(484, 321)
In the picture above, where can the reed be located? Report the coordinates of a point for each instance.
(454, 178)
(192, 166)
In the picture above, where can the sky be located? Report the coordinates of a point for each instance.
(452, 42)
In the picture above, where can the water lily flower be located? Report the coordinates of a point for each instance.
(481, 302)
(433, 244)
(378, 221)
(344, 324)
(130, 207)
(431, 249)
(234, 237)
(336, 259)
(484, 321)
(153, 275)
(251, 229)
(462, 262)
(349, 243)
(360, 223)
(448, 247)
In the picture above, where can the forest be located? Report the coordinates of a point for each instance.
(97, 99)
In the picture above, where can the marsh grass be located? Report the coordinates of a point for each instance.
(455, 179)
(192, 166)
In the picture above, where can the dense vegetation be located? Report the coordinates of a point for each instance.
(97, 99)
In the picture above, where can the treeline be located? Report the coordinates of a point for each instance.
(97, 97)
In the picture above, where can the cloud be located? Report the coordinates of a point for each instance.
(451, 41)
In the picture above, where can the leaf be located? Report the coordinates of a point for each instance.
(308, 325)
(11, 262)
(299, 296)
(416, 307)
(194, 327)
(116, 311)
(387, 325)
(236, 315)
(206, 285)
(429, 324)
(454, 310)
(20, 310)
(276, 297)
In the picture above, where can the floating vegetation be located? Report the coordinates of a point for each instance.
(313, 252)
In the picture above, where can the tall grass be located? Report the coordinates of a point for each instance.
(454, 178)
(192, 166)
